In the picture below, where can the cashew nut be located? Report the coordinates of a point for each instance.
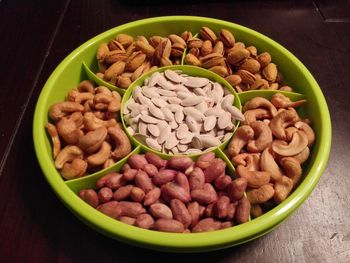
(263, 136)
(68, 154)
(303, 126)
(240, 159)
(103, 89)
(261, 194)
(121, 141)
(268, 164)
(75, 169)
(241, 137)
(280, 122)
(109, 162)
(61, 109)
(68, 128)
(289, 132)
(101, 156)
(292, 169)
(260, 102)
(86, 86)
(93, 140)
(297, 144)
(255, 114)
(255, 179)
(253, 162)
(91, 122)
(283, 186)
(303, 155)
(281, 101)
(82, 97)
(114, 105)
(56, 143)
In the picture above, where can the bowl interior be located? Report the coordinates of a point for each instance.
(70, 72)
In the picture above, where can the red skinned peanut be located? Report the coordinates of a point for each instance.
(105, 194)
(152, 196)
(137, 161)
(155, 160)
(214, 170)
(89, 196)
(145, 221)
(143, 181)
(180, 212)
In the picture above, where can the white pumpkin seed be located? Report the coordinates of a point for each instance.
(202, 107)
(184, 94)
(182, 131)
(196, 82)
(165, 92)
(179, 116)
(145, 101)
(192, 124)
(235, 113)
(182, 147)
(149, 119)
(209, 141)
(194, 113)
(164, 134)
(224, 120)
(156, 112)
(168, 115)
(191, 101)
(136, 93)
(150, 93)
(173, 125)
(187, 139)
(159, 102)
(142, 128)
(174, 100)
(174, 107)
(173, 76)
(171, 141)
(196, 142)
(199, 92)
(153, 130)
(193, 151)
(153, 80)
(214, 112)
(209, 123)
(130, 130)
(153, 144)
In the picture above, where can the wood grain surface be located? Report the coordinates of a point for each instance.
(36, 35)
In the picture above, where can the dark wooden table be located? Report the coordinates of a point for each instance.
(37, 35)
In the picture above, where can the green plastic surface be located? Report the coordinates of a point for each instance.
(71, 71)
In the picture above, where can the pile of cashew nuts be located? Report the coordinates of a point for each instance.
(84, 131)
(269, 148)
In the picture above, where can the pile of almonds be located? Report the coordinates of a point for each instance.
(125, 58)
(270, 148)
(241, 66)
(178, 195)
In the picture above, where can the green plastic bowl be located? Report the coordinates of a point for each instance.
(81, 64)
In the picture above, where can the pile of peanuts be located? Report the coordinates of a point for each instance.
(178, 195)
(125, 58)
(85, 133)
(269, 149)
